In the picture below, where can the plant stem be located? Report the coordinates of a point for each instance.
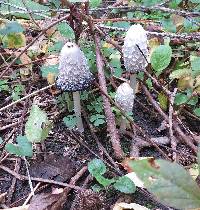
(77, 110)
(133, 82)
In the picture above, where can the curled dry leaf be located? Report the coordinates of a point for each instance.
(123, 206)
(2, 197)
(46, 201)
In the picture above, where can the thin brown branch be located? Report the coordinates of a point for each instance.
(22, 177)
(186, 139)
(171, 134)
(111, 125)
(153, 8)
(182, 37)
(25, 97)
(122, 20)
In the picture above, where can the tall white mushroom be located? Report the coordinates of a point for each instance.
(124, 98)
(135, 52)
(74, 76)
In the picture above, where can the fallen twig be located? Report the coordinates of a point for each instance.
(108, 112)
(27, 96)
(22, 177)
(176, 127)
(171, 111)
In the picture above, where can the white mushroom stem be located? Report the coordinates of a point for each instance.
(133, 82)
(77, 110)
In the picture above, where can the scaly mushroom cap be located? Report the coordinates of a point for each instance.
(74, 74)
(124, 97)
(134, 61)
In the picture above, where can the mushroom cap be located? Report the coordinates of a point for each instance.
(125, 97)
(74, 74)
(134, 60)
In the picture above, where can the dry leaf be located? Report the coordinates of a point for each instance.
(178, 21)
(135, 206)
(2, 197)
(185, 82)
(46, 201)
(51, 60)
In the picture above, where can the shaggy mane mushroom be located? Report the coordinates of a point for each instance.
(74, 76)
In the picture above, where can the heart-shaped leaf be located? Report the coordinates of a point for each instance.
(22, 148)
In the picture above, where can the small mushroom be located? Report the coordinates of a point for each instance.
(74, 76)
(124, 98)
(135, 52)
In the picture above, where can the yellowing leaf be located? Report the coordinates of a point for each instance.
(179, 73)
(107, 45)
(162, 98)
(186, 82)
(51, 78)
(134, 206)
(153, 43)
(194, 171)
(14, 40)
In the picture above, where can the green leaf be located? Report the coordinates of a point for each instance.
(195, 64)
(198, 155)
(70, 121)
(149, 83)
(170, 182)
(180, 98)
(96, 188)
(197, 112)
(56, 48)
(95, 3)
(189, 26)
(1, 140)
(148, 3)
(168, 25)
(66, 30)
(4, 85)
(121, 24)
(23, 148)
(125, 185)
(53, 69)
(99, 122)
(17, 92)
(38, 126)
(193, 101)
(96, 167)
(160, 58)
(104, 181)
(11, 27)
(174, 4)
